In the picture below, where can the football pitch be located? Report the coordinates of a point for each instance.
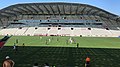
(59, 52)
(57, 41)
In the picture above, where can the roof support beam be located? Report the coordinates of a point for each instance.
(33, 8)
(28, 10)
(40, 9)
(58, 9)
(89, 11)
(64, 9)
(22, 10)
(16, 12)
(95, 12)
(76, 10)
(8, 14)
(1, 21)
(106, 24)
(71, 9)
(46, 9)
(13, 11)
(82, 12)
(110, 22)
(79, 9)
(52, 9)
(117, 21)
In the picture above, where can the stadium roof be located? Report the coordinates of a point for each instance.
(57, 8)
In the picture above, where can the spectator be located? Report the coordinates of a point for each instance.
(8, 62)
(53, 66)
(35, 65)
(77, 45)
(46, 65)
(14, 46)
(23, 45)
(87, 63)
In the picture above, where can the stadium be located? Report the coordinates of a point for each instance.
(46, 28)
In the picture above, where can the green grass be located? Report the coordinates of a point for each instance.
(88, 42)
(103, 51)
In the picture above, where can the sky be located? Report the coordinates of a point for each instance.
(111, 6)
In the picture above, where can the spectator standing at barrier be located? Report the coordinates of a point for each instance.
(23, 45)
(87, 63)
(14, 46)
(8, 62)
(77, 45)
(46, 65)
(35, 65)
